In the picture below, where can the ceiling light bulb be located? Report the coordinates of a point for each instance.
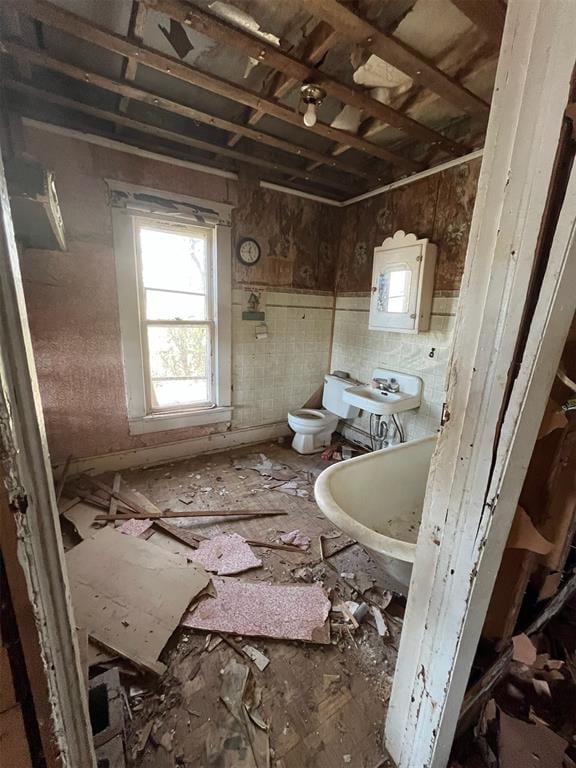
(310, 115)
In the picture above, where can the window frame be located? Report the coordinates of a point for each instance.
(142, 417)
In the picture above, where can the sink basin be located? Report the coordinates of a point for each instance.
(386, 403)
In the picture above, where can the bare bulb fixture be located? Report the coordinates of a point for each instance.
(312, 96)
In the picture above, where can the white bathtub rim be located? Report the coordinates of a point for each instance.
(379, 542)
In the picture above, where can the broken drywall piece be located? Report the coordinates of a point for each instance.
(348, 119)
(381, 626)
(130, 595)
(260, 659)
(523, 650)
(260, 463)
(226, 554)
(376, 72)
(529, 745)
(523, 535)
(136, 527)
(296, 538)
(264, 610)
(82, 517)
(541, 687)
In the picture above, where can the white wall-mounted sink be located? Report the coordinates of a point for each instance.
(386, 403)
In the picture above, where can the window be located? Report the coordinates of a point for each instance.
(174, 293)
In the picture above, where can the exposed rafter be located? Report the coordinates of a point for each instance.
(79, 27)
(173, 136)
(135, 34)
(487, 15)
(351, 27)
(162, 133)
(226, 34)
(22, 53)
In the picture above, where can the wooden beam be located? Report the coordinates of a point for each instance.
(162, 133)
(487, 15)
(135, 34)
(226, 34)
(79, 27)
(351, 27)
(138, 94)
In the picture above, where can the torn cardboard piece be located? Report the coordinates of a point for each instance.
(523, 650)
(523, 535)
(264, 610)
(529, 745)
(226, 554)
(130, 595)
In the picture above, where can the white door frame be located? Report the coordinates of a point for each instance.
(24, 454)
(484, 449)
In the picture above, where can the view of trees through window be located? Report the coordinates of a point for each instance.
(176, 320)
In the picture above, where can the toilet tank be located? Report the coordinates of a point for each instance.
(332, 398)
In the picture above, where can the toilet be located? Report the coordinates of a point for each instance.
(314, 427)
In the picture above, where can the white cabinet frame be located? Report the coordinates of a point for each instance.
(418, 257)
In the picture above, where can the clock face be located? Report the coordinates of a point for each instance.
(248, 251)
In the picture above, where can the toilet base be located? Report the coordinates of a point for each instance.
(312, 443)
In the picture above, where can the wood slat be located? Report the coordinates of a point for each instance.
(487, 15)
(20, 52)
(173, 136)
(79, 27)
(357, 30)
(135, 33)
(226, 34)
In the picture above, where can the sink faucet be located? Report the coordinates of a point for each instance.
(387, 386)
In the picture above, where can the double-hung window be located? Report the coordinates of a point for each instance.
(174, 293)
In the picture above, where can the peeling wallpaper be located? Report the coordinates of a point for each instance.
(438, 207)
(309, 252)
(298, 238)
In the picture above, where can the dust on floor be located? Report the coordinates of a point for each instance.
(312, 705)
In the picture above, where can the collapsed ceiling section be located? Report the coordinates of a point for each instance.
(389, 88)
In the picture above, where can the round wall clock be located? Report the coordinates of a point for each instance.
(248, 251)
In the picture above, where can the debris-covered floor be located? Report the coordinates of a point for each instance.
(292, 664)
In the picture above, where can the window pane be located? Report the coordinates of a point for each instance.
(167, 394)
(173, 260)
(161, 305)
(179, 352)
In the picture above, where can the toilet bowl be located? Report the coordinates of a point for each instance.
(313, 427)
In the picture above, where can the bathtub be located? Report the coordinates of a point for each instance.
(377, 499)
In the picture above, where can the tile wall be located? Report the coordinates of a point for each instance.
(274, 375)
(358, 351)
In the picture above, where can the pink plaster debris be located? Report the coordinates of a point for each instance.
(135, 527)
(226, 554)
(264, 610)
(296, 538)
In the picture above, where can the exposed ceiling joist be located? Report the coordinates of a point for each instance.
(351, 27)
(22, 53)
(487, 15)
(135, 35)
(318, 43)
(226, 34)
(79, 27)
(172, 136)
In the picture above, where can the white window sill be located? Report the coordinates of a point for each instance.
(165, 421)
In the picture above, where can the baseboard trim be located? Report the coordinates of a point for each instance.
(161, 454)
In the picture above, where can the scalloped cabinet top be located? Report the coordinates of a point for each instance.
(402, 284)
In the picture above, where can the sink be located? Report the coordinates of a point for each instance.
(385, 403)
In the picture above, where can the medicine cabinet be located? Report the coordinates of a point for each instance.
(402, 284)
